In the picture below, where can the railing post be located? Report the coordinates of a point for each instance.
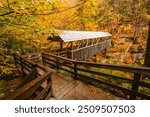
(57, 62)
(135, 85)
(35, 66)
(43, 58)
(68, 54)
(75, 70)
(72, 55)
(21, 64)
(50, 90)
(14, 55)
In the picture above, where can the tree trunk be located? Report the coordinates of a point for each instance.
(147, 56)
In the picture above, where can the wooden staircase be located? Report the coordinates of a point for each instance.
(44, 81)
(36, 83)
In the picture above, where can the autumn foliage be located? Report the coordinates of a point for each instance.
(26, 24)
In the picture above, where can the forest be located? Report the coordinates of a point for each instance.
(25, 26)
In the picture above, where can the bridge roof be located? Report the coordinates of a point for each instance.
(68, 35)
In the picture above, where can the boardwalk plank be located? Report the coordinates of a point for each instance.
(66, 88)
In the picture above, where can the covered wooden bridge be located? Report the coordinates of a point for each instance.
(79, 45)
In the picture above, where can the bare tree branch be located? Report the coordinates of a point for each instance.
(7, 13)
(61, 10)
(51, 13)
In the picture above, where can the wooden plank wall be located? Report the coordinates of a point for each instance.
(83, 53)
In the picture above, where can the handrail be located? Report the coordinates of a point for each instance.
(28, 78)
(126, 68)
(27, 89)
(33, 82)
(58, 57)
(85, 70)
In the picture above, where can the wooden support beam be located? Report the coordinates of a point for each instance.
(75, 45)
(92, 41)
(80, 44)
(97, 40)
(61, 46)
(71, 45)
(87, 42)
(68, 44)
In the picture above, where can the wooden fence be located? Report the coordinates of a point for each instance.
(36, 84)
(107, 75)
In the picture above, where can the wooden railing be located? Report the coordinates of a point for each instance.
(34, 57)
(109, 76)
(37, 83)
(82, 54)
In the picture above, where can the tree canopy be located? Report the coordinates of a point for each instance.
(26, 24)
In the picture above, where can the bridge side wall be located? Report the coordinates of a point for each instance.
(83, 53)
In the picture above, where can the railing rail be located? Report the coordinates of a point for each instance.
(94, 73)
(32, 86)
(26, 91)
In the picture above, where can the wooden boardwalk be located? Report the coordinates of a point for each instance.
(66, 88)
(43, 82)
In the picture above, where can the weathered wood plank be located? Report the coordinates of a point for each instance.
(128, 91)
(124, 68)
(135, 85)
(83, 67)
(83, 53)
(28, 78)
(29, 88)
(32, 82)
(41, 94)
